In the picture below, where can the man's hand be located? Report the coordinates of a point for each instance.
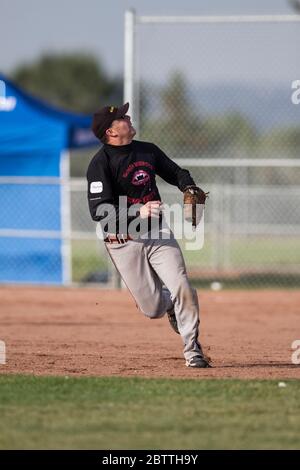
(194, 200)
(150, 209)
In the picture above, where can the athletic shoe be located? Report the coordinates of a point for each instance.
(198, 362)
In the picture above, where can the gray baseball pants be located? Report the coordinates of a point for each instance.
(154, 272)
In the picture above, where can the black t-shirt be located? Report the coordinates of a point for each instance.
(130, 170)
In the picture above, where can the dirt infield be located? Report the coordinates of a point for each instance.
(60, 331)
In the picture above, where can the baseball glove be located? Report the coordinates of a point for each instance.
(194, 200)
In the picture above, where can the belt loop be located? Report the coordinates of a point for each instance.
(119, 238)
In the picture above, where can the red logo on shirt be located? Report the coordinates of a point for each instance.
(138, 200)
(132, 166)
(140, 177)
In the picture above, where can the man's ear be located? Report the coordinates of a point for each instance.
(110, 132)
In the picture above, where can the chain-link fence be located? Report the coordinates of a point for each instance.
(215, 95)
(214, 87)
(89, 257)
(49, 244)
(252, 230)
(220, 91)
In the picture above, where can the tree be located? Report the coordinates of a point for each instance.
(76, 82)
(183, 130)
(181, 126)
(174, 97)
(231, 131)
(282, 141)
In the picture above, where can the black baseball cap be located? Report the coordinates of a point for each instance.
(103, 118)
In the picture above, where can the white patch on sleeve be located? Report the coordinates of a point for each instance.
(96, 187)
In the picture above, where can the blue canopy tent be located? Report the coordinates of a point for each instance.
(34, 193)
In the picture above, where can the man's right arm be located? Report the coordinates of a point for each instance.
(99, 187)
(102, 204)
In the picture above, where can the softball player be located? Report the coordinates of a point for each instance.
(152, 267)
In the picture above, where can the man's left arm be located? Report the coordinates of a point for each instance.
(171, 172)
(193, 196)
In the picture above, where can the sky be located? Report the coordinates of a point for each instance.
(30, 28)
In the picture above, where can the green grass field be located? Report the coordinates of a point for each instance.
(129, 413)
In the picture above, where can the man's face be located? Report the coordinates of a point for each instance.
(123, 127)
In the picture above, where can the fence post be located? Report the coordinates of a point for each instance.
(226, 228)
(216, 228)
(66, 229)
(129, 63)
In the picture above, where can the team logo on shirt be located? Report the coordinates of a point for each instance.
(140, 177)
(96, 187)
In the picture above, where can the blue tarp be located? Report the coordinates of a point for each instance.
(33, 136)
